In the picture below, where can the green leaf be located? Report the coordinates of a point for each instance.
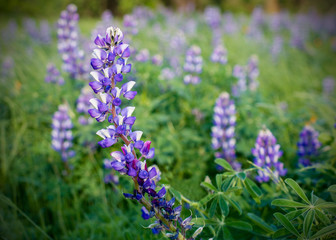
(226, 234)
(308, 222)
(297, 189)
(280, 233)
(203, 221)
(224, 164)
(252, 188)
(332, 188)
(286, 223)
(240, 225)
(206, 199)
(326, 205)
(223, 205)
(294, 214)
(176, 194)
(324, 232)
(219, 180)
(260, 222)
(288, 203)
(241, 175)
(323, 217)
(209, 186)
(236, 205)
(226, 184)
(213, 207)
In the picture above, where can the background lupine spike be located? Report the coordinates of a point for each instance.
(308, 145)
(266, 156)
(193, 65)
(223, 131)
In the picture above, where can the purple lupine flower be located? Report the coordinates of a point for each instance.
(31, 28)
(109, 63)
(247, 76)
(223, 131)
(45, 33)
(61, 133)
(328, 85)
(130, 24)
(157, 60)
(7, 67)
(308, 145)
(212, 16)
(276, 47)
(53, 75)
(83, 105)
(68, 46)
(193, 65)
(266, 156)
(230, 25)
(219, 55)
(167, 74)
(142, 56)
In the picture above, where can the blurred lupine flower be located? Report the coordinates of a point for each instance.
(167, 74)
(130, 24)
(328, 86)
(219, 55)
(9, 32)
(212, 16)
(258, 17)
(111, 177)
(230, 25)
(30, 28)
(61, 133)
(45, 32)
(157, 60)
(308, 145)
(266, 156)
(276, 47)
(7, 67)
(193, 65)
(142, 56)
(199, 115)
(223, 131)
(107, 16)
(68, 35)
(110, 63)
(53, 75)
(83, 105)
(247, 76)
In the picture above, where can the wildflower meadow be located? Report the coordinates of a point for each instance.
(164, 123)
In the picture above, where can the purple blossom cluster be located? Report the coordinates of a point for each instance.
(68, 42)
(266, 156)
(41, 34)
(142, 56)
(110, 63)
(212, 16)
(193, 65)
(328, 86)
(276, 47)
(83, 105)
(219, 55)
(223, 131)
(53, 75)
(308, 145)
(130, 24)
(61, 133)
(246, 75)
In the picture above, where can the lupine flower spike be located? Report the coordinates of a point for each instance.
(62, 134)
(308, 145)
(110, 64)
(193, 65)
(266, 156)
(223, 131)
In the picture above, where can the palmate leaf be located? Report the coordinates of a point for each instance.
(219, 178)
(226, 184)
(308, 222)
(241, 175)
(324, 232)
(252, 188)
(297, 189)
(235, 205)
(241, 225)
(326, 205)
(260, 223)
(223, 205)
(209, 186)
(286, 223)
(213, 206)
(322, 216)
(288, 203)
(294, 214)
(280, 233)
(224, 164)
(206, 199)
(224, 233)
